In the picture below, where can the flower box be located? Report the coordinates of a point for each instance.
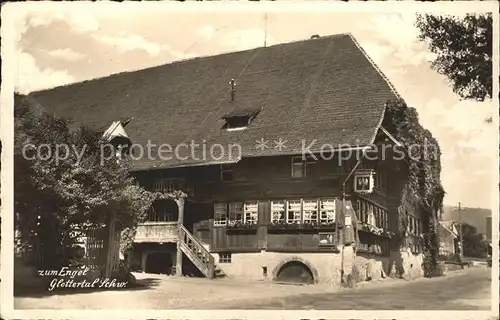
(241, 227)
(281, 227)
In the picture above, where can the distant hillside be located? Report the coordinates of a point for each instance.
(473, 216)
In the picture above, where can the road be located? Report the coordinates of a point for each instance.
(467, 289)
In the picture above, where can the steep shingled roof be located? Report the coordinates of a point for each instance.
(324, 89)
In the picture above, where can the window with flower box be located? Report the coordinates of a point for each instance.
(220, 214)
(251, 211)
(307, 211)
(327, 213)
(278, 211)
(235, 211)
(241, 212)
(310, 211)
(294, 211)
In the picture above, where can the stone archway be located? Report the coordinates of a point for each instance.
(295, 270)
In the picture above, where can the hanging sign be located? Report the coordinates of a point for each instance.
(364, 181)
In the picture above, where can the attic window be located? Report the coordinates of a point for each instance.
(239, 119)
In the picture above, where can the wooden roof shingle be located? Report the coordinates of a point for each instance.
(320, 91)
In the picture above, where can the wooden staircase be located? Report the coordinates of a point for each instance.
(198, 254)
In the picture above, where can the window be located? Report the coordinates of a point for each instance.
(378, 217)
(239, 119)
(327, 207)
(371, 216)
(225, 257)
(278, 211)
(310, 208)
(226, 172)
(414, 227)
(251, 211)
(220, 214)
(294, 209)
(298, 167)
(374, 244)
(357, 208)
(236, 211)
(235, 123)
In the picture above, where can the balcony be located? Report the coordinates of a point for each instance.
(168, 185)
(153, 231)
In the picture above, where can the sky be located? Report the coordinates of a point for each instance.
(63, 47)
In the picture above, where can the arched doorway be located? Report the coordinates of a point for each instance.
(295, 272)
(159, 262)
(164, 210)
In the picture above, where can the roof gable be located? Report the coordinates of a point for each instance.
(319, 91)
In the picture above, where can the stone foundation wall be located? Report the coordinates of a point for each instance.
(410, 265)
(371, 267)
(325, 267)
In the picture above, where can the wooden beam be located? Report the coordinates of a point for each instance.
(111, 246)
(390, 136)
(180, 205)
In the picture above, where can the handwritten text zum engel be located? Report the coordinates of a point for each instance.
(65, 278)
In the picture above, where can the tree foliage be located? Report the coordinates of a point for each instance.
(62, 194)
(474, 243)
(422, 191)
(464, 51)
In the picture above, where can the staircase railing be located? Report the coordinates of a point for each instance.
(196, 252)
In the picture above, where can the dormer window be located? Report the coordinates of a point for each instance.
(239, 119)
(118, 138)
(236, 123)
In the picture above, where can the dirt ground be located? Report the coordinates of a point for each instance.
(167, 292)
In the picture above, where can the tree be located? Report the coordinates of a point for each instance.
(473, 242)
(464, 51)
(53, 195)
(422, 190)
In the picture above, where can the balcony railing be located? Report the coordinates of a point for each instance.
(157, 232)
(169, 185)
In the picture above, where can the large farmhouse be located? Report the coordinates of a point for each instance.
(262, 161)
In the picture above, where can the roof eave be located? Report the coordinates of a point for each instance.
(211, 163)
